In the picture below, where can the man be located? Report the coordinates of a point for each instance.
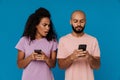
(79, 63)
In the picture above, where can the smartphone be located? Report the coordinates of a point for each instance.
(82, 46)
(38, 51)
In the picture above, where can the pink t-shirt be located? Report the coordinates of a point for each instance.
(80, 69)
(36, 70)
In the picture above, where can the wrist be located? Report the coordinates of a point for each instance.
(90, 57)
(71, 58)
(46, 59)
(33, 56)
(30, 57)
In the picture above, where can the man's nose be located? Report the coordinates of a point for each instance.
(79, 24)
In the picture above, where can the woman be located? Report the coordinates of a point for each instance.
(38, 36)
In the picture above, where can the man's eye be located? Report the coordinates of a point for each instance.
(82, 21)
(75, 21)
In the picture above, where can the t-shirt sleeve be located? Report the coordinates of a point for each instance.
(62, 53)
(20, 45)
(54, 48)
(96, 49)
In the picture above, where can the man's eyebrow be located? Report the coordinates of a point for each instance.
(78, 19)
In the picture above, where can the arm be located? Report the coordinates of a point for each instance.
(22, 62)
(52, 60)
(94, 62)
(67, 62)
(94, 59)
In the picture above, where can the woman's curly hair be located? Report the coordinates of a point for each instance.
(33, 21)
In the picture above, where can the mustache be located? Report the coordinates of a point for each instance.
(78, 27)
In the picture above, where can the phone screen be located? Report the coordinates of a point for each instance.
(82, 46)
(37, 51)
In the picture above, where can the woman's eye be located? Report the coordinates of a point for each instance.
(44, 24)
(48, 25)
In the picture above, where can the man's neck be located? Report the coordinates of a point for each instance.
(78, 34)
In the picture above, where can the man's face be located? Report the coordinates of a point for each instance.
(78, 22)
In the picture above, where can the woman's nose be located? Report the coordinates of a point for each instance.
(48, 27)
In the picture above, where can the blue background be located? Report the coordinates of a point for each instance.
(103, 22)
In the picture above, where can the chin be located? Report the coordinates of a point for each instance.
(44, 35)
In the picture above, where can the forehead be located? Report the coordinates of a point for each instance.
(45, 19)
(78, 15)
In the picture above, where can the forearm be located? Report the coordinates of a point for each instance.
(94, 62)
(65, 63)
(24, 62)
(50, 62)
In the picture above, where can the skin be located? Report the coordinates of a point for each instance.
(42, 30)
(78, 20)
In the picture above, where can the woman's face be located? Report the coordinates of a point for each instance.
(43, 27)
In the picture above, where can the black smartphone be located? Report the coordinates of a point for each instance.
(82, 46)
(37, 51)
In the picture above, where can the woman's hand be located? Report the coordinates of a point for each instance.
(40, 57)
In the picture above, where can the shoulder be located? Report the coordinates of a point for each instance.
(65, 37)
(90, 37)
(21, 43)
(24, 38)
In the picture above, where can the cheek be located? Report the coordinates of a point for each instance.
(74, 24)
(39, 29)
(82, 25)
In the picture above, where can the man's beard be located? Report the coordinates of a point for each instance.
(78, 31)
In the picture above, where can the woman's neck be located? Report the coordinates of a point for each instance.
(38, 36)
